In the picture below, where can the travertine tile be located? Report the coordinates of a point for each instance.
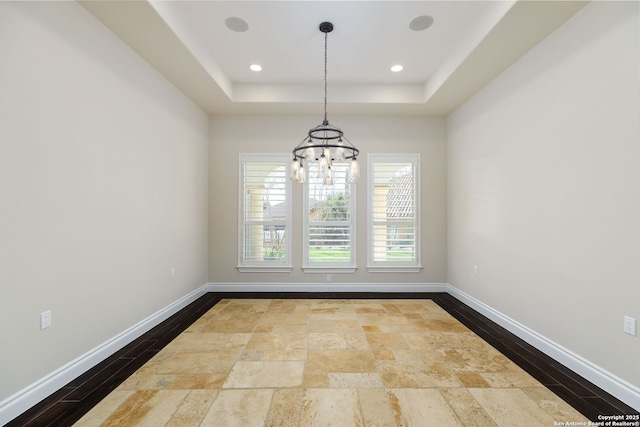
(391, 308)
(283, 323)
(382, 320)
(438, 324)
(471, 380)
(193, 409)
(327, 362)
(416, 373)
(246, 307)
(290, 328)
(553, 405)
(340, 361)
(283, 355)
(231, 325)
(354, 380)
(466, 408)
(376, 407)
(280, 342)
(146, 408)
(276, 318)
(357, 341)
(455, 340)
(140, 376)
(473, 360)
(414, 307)
(237, 341)
(518, 379)
(152, 382)
(511, 407)
(386, 341)
(327, 341)
(330, 408)
(370, 308)
(416, 355)
(316, 381)
(213, 362)
(239, 408)
(265, 374)
(253, 355)
(397, 329)
(199, 342)
(334, 325)
(99, 413)
(286, 407)
(422, 407)
(198, 381)
(383, 355)
(416, 341)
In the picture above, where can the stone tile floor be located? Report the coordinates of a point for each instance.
(288, 362)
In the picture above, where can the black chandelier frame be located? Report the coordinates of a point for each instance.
(325, 135)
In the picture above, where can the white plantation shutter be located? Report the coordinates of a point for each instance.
(265, 213)
(329, 221)
(394, 212)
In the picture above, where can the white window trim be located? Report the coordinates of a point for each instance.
(284, 266)
(329, 268)
(393, 266)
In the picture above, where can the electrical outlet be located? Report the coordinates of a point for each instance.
(475, 269)
(629, 325)
(45, 319)
(328, 278)
(173, 272)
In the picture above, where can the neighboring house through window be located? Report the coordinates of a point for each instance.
(329, 222)
(394, 213)
(265, 213)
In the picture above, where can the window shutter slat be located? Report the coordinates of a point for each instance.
(393, 204)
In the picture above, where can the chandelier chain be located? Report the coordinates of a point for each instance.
(325, 78)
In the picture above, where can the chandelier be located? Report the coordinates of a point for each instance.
(324, 143)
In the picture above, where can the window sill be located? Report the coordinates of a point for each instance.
(329, 270)
(264, 269)
(394, 269)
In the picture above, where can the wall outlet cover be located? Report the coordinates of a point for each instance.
(45, 319)
(629, 325)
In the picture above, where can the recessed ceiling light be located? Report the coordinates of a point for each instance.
(255, 67)
(238, 25)
(397, 68)
(421, 23)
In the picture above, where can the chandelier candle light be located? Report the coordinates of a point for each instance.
(324, 143)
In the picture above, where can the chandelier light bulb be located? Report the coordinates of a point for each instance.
(328, 177)
(302, 175)
(294, 170)
(354, 172)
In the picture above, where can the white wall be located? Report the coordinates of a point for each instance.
(103, 188)
(231, 135)
(544, 189)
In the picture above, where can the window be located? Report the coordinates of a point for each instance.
(329, 218)
(394, 213)
(265, 213)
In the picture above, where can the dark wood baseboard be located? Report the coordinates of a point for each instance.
(71, 402)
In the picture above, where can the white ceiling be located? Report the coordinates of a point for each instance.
(468, 44)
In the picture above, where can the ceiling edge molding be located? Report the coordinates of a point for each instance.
(140, 26)
(523, 25)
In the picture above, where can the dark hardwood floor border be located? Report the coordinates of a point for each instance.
(71, 402)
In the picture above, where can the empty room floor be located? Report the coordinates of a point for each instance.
(324, 362)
